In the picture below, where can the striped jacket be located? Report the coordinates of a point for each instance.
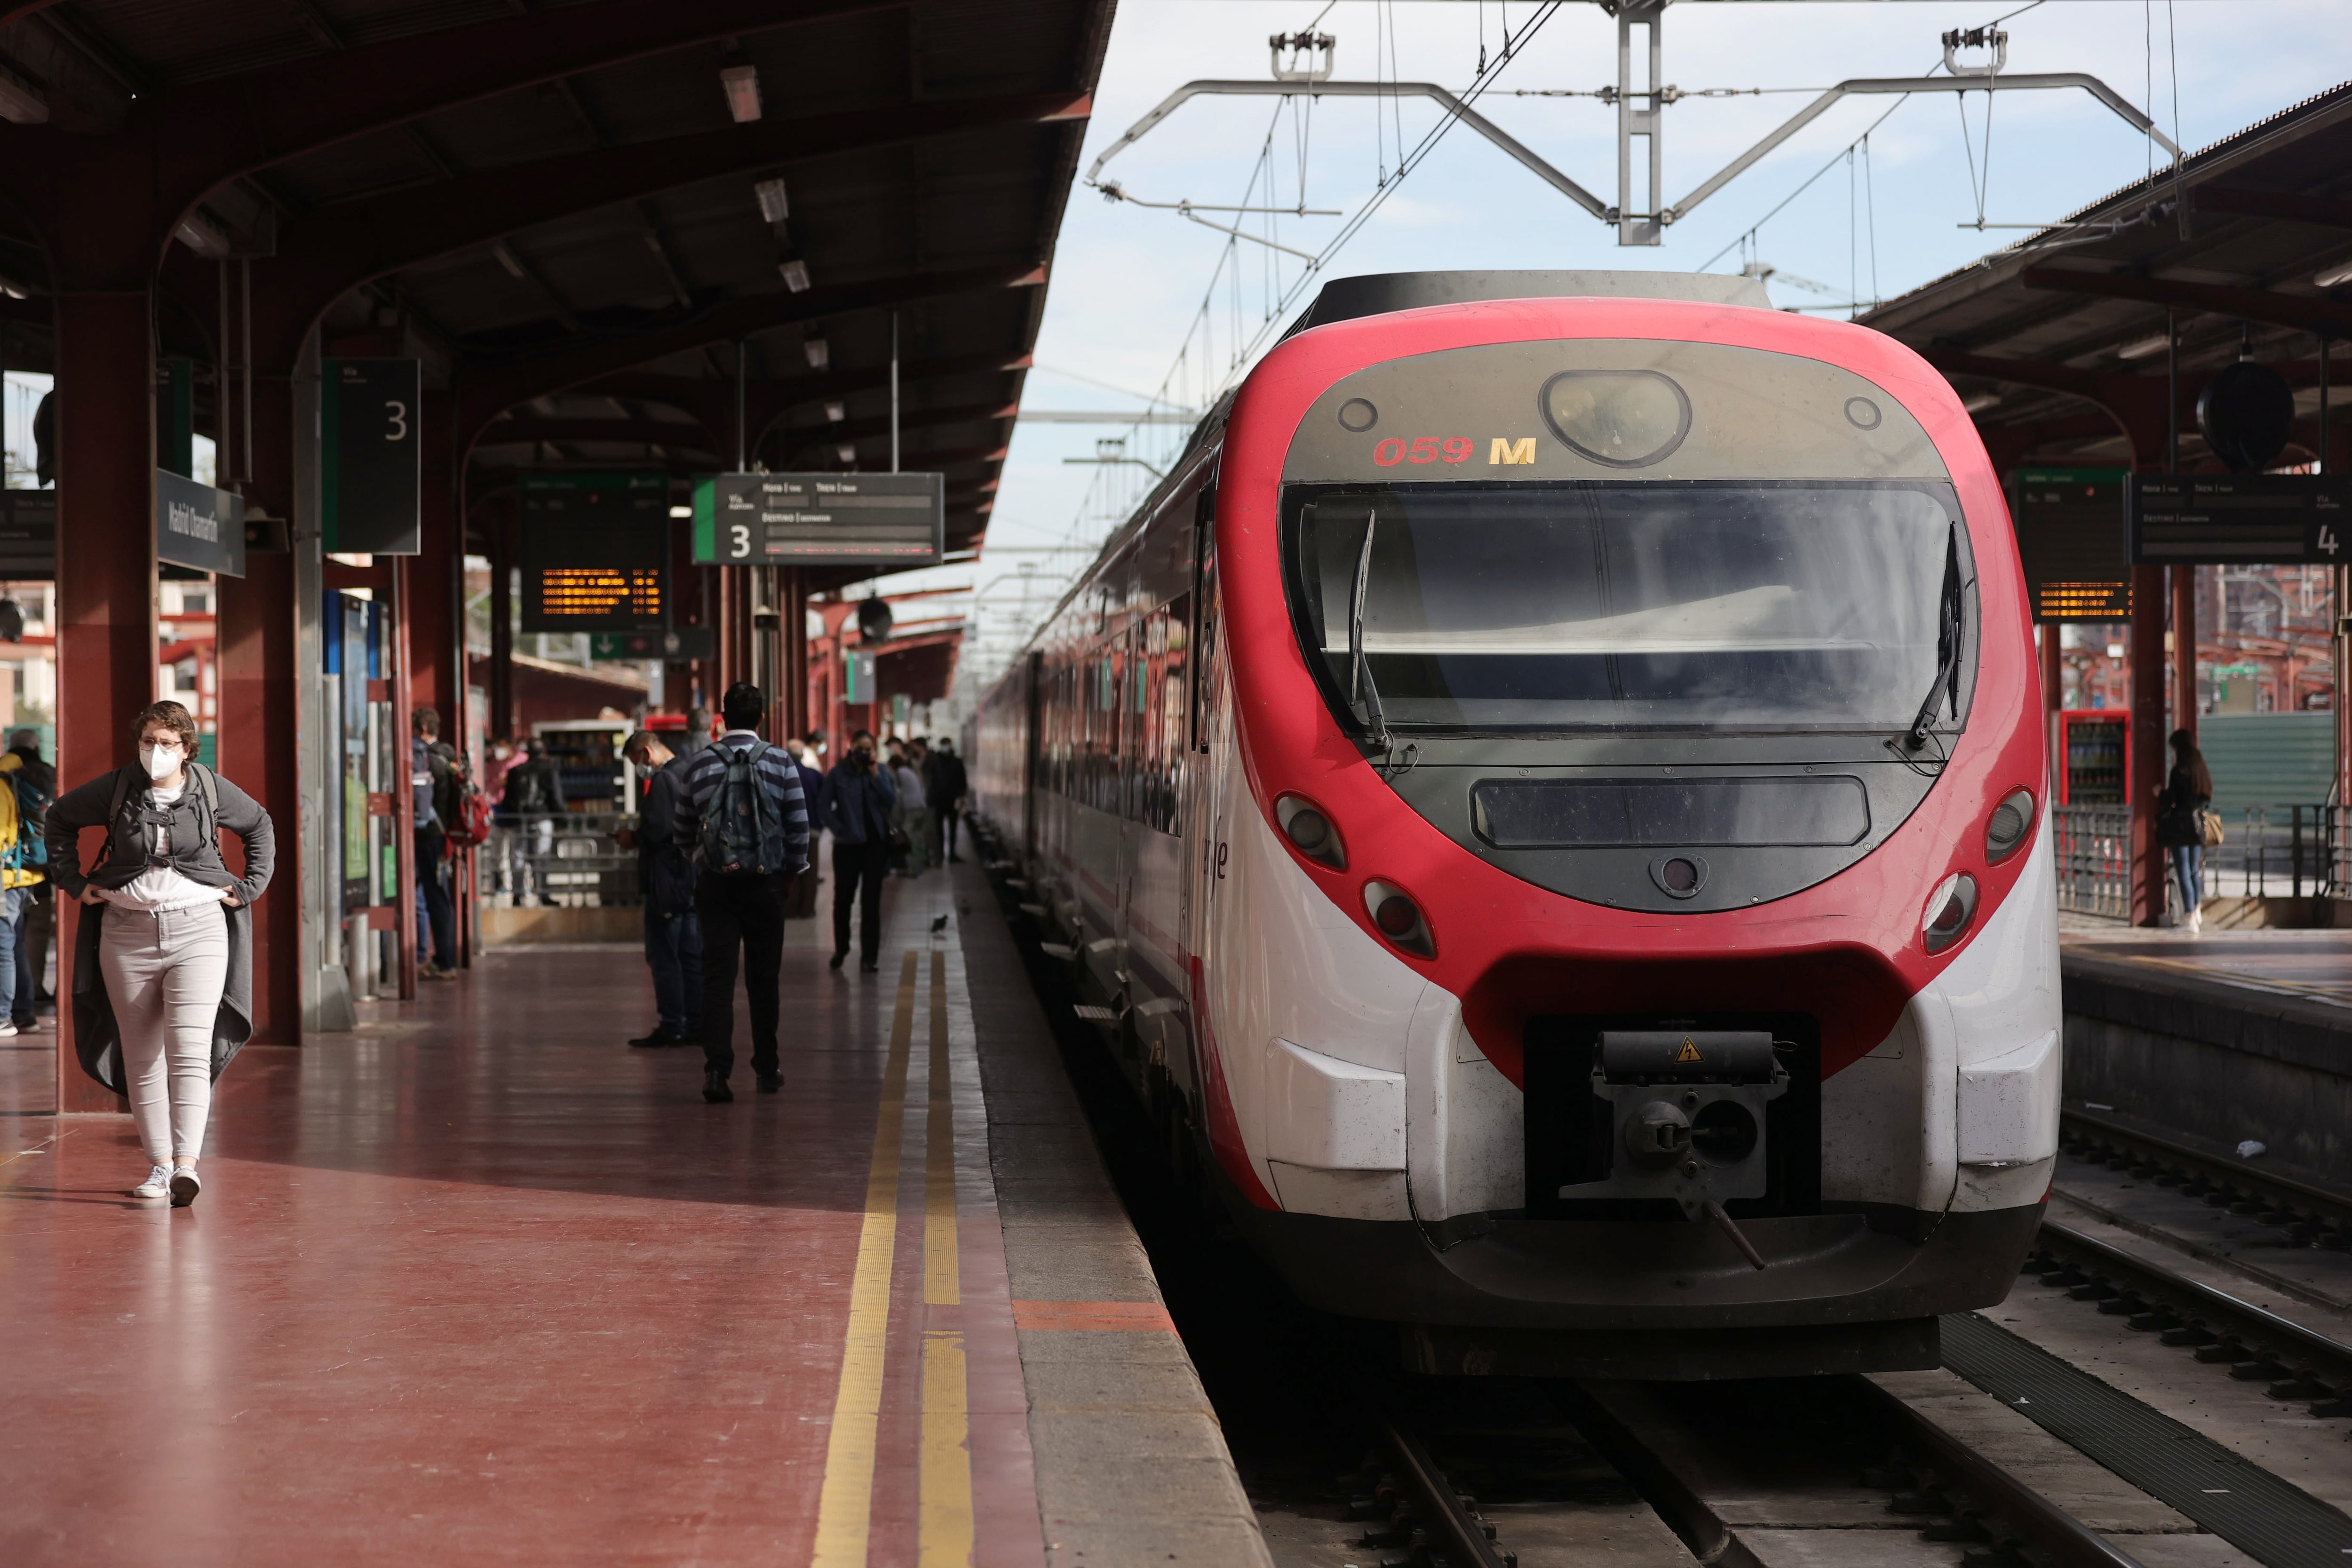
(707, 770)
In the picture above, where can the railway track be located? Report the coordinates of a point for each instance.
(2307, 1213)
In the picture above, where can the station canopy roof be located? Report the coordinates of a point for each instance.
(2057, 344)
(588, 220)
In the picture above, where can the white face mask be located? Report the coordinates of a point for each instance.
(160, 762)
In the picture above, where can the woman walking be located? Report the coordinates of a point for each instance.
(2181, 810)
(163, 974)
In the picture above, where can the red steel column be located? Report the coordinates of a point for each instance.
(435, 675)
(106, 577)
(501, 532)
(404, 793)
(2184, 648)
(2147, 749)
(258, 720)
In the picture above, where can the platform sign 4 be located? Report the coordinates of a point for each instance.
(2234, 519)
(2071, 540)
(596, 552)
(370, 469)
(197, 526)
(820, 520)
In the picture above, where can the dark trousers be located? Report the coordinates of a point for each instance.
(949, 817)
(857, 873)
(749, 911)
(439, 915)
(674, 953)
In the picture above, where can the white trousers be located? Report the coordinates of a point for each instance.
(164, 973)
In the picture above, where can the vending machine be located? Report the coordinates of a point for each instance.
(2096, 744)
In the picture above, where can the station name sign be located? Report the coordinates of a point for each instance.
(197, 526)
(820, 520)
(2239, 519)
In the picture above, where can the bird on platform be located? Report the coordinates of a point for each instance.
(938, 924)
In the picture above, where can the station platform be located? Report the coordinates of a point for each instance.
(2222, 1037)
(480, 1284)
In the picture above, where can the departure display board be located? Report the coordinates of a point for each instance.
(370, 463)
(596, 552)
(2239, 519)
(820, 520)
(2071, 539)
(28, 535)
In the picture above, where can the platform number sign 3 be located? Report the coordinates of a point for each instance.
(371, 464)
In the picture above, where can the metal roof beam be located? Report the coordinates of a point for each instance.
(2298, 313)
(796, 439)
(177, 146)
(338, 248)
(652, 432)
(2320, 212)
(487, 391)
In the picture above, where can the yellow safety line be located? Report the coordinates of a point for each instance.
(944, 1534)
(942, 1286)
(945, 1538)
(846, 1507)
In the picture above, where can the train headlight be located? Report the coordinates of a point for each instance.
(2007, 829)
(1399, 919)
(1950, 908)
(1310, 832)
(1619, 418)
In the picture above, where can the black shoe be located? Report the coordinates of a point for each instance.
(771, 1082)
(660, 1037)
(839, 956)
(869, 966)
(715, 1089)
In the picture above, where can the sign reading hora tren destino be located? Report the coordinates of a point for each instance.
(820, 520)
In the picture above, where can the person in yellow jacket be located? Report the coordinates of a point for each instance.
(17, 872)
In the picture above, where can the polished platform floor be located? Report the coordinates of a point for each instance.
(478, 1284)
(2310, 965)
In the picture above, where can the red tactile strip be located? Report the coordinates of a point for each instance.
(1117, 1316)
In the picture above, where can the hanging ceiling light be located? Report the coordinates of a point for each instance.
(742, 85)
(836, 411)
(774, 206)
(2146, 346)
(819, 351)
(507, 259)
(2339, 274)
(796, 274)
(846, 452)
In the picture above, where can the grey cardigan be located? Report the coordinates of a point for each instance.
(195, 854)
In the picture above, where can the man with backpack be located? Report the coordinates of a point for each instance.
(742, 820)
(435, 784)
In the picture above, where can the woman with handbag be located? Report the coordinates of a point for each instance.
(162, 972)
(2185, 821)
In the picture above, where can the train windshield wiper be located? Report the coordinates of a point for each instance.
(1948, 648)
(1360, 688)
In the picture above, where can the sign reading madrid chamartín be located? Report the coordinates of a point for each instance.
(197, 526)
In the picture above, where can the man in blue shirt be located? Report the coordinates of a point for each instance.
(859, 801)
(742, 903)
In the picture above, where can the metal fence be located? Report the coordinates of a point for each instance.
(2093, 858)
(2266, 852)
(568, 858)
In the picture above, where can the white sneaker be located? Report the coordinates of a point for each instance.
(184, 1186)
(8, 1028)
(2196, 921)
(158, 1183)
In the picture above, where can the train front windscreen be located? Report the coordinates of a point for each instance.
(1787, 606)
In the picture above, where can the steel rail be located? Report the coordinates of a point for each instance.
(2330, 1210)
(2318, 1368)
(2064, 1540)
(1456, 1534)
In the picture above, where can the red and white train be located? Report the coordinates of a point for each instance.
(1550, 791)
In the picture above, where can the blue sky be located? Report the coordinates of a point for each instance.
(1129, 283)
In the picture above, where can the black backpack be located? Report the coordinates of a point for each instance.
(743, 827)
